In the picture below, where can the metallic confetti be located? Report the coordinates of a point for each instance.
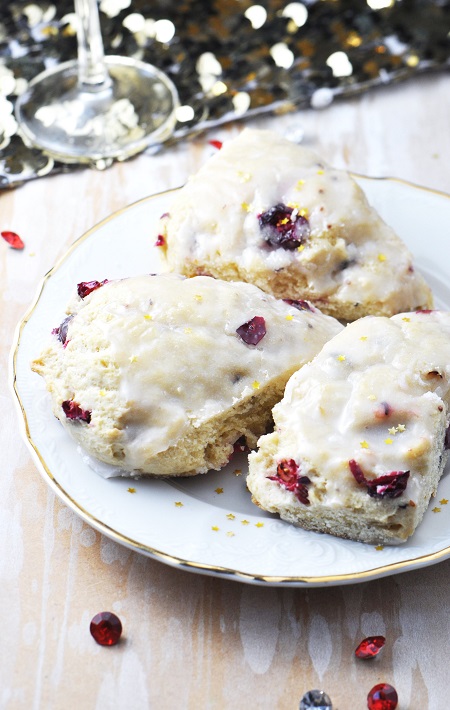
(229, 59)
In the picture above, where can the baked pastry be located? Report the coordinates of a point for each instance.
(272, 213)
(360, 439)
(162, 374)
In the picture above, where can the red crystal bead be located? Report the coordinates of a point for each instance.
(382, 697)
(106, 628)
(370, 647)
(13, 239)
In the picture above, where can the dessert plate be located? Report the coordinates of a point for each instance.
(207, 523)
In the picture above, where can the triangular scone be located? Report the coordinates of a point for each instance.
(162, 374)
(272, 213)
(360, 438)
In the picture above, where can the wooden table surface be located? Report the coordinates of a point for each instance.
(190, 641)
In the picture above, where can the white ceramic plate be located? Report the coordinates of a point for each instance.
(208, 523)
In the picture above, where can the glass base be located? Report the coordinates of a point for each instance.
(77, 123)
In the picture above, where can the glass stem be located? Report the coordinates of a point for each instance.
(92, 71)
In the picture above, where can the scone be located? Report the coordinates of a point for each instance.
(162, 374)
(360, 440)
(272, 213)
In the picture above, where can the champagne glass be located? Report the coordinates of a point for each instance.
(96, 108)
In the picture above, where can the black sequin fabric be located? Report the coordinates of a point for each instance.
(229, 59)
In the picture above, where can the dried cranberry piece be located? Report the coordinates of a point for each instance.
(106, 628)
(288, 476)
(447, 438)
(86, 287)
(391, 485)
(370, 647)
(61, 331)
(299, 304)
(382, 697)
(216, 144)
(384, 410)
(13, 240)
(282, 226)
(160, 241)
(253, 331)
(72, 410)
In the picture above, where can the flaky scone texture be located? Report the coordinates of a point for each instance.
(272, 213)
(161, 375)
(360, 436)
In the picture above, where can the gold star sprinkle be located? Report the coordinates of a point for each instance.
(133, 358)
(245, 522)
(178, 504)
(320, 172)
(379, 547)
(215, 528)
(230, 516)
(230, 534)
(198, 297)
(363, 337)
(255, 385)
(244, 177)
(392, 430)
(131, 490)
(238, 472)
(401, 427)
(289, 317)
(341, 358)
(388, 441)
(364, 444)
(32, 253)
(218, 491)
(382, 257)
(246, 207)
(299, 184)
(187, 330)
(303, 212)
(102, 393)
(436, 510)
(148, 317)
(406, 319)
(443, 501)
(371, 397)
(259, 525)
(301, 247)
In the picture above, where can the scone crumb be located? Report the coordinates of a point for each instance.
(238, 472)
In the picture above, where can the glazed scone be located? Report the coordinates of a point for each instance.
(162, 374)
(272, 213)
(360, 436)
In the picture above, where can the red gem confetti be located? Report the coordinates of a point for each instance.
(86, 287)
(160, 242)
(253, 331)
(13, 240)
(300, 305)
(216, 144)
(370, 647)
(106, 628)
(72, 410)
(382, 697)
